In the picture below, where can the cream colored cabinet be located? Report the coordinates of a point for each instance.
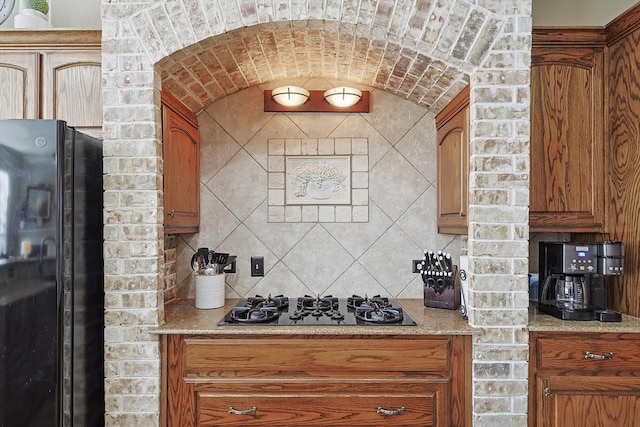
(19, 92)
(52, 74)
(72, 88)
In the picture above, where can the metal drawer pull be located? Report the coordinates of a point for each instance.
(251, 411)
(398, 411)
(589, 355)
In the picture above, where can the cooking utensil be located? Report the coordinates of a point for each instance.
(199, 260)
(195, 264)
(221, 258)
(204, 260)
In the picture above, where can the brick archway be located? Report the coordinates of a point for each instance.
(221, 65)
(423, 51)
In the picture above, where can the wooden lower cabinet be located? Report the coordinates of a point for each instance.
(317, 380)
(585, 380)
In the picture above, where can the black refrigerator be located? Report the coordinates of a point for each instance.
(51, 276)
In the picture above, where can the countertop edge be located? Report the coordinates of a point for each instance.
(540, 322)
(182, 318)
(326, 330)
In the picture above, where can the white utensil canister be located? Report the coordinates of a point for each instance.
(210, 291)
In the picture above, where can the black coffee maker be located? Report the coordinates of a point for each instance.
(572, 278)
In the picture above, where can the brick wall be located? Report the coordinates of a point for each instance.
(484, 41)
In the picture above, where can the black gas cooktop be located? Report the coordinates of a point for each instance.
(317, 311)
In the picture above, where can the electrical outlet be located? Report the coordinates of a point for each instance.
(257, 266)
(416, 266)
(230, 268)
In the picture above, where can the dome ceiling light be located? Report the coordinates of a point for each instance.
(290, 96)
(297, 99)
(343, 97)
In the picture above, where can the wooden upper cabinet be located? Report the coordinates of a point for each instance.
(567, 190)
(452, 125)
(181, 151)
(52, 74)
(72, 87)
(19, 74)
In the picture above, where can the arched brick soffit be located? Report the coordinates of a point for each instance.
(420, 50)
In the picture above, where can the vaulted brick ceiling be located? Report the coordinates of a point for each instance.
(429, 70)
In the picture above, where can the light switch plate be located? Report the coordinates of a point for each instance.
(257, 266)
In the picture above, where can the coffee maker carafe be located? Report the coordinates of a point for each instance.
(573, 287)
(570, 292)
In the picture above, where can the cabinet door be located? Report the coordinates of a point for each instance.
(567, 191)
(19, 74)
(588, 401)
(181, 142)
(72, 87)
(584, 379)
(453, 171)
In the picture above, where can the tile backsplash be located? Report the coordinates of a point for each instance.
(317, 257)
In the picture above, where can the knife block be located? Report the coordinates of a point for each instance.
(442, 291)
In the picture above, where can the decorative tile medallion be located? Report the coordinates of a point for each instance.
(318, 180)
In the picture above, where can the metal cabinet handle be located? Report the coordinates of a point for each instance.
(251, 411)
(172, 214)
(547, 392)
(398, 411)
(589, 355)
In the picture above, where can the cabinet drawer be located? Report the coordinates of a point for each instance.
(617, 352)
(321, 357)
(328, 405)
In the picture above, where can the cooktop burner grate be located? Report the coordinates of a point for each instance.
(375, 314)
(317, 311)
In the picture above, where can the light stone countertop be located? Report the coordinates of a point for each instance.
(181, 317)
(542, 322)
